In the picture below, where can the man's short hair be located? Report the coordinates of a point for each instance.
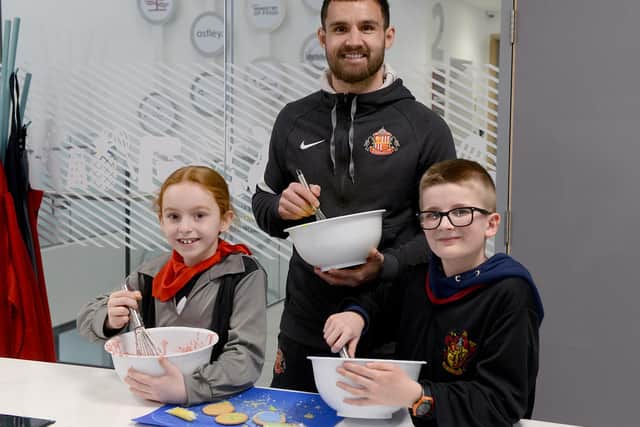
(384, 7)
(459, 171)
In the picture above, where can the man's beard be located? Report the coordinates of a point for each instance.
(356, 75)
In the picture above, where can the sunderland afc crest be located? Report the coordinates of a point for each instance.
(382, 143)
(458, 349)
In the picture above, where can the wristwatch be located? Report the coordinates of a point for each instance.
(423, 407)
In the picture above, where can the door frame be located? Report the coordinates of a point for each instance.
(508, 18)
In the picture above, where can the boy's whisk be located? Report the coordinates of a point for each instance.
(145, 346)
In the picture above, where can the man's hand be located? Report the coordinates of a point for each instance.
(354, 276)
(297, 202)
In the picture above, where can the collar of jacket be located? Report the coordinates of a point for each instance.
(232, 264)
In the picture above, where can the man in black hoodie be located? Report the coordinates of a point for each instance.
(364, 141)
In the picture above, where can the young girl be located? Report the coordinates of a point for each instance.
(205, 282)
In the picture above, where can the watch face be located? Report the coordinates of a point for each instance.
(157, 113)
(423, 408)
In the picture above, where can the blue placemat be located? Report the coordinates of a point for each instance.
(298, 407)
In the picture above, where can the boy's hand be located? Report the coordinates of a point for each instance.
(343, 329)
(378, 383)
(118, 308)
(168, 388)
(297, 202)
(354, 276)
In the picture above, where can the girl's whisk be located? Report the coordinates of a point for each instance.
(145, 346)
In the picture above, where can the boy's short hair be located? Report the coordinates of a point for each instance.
(458, 171)
(384, 7)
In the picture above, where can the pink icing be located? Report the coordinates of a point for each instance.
(114, 346)
(196, 343)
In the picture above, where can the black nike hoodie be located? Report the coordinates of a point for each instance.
(366, 151)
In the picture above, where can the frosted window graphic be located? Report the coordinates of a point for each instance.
(118, 102)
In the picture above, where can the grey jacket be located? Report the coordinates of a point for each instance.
(240, 363)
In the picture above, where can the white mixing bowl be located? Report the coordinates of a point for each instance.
(326, 377)
(338, 242)
(187, 348)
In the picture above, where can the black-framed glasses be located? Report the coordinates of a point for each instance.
(458, 217)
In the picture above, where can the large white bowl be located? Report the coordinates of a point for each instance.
(187, 348)
(338, 242)
(326, 377)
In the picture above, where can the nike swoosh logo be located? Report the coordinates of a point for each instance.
(304, 146)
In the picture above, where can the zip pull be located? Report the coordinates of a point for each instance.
(181, 304)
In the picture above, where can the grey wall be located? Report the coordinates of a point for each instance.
(576, 201)
(76, 274)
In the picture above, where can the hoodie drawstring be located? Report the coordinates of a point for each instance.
(354, 105)
(332, 143)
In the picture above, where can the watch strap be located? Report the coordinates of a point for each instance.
(425, 399)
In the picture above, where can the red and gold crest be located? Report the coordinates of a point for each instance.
(458, 349)
(382, 143)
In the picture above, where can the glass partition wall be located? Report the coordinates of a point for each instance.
(125, 91)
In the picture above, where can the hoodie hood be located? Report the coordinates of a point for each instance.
(442, 289)
(350, 105)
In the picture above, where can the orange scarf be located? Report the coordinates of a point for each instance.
(174, 275)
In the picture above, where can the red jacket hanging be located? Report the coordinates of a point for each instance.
(24, 307)
(6, 201)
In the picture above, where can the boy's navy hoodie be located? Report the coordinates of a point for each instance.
(478, 333)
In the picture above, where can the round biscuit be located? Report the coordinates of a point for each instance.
(264, 417)
(218, 408)
(232, 418)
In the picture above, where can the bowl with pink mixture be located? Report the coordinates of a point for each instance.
(187, 348)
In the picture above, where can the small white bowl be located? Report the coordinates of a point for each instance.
(338, 242)
(187, 348)
(326, 377)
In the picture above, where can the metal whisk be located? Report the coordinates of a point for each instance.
(344, 353)
(145, 345)
(319, 214)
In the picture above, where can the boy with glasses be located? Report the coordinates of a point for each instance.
(473, 319)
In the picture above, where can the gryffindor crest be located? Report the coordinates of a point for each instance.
(458, 349)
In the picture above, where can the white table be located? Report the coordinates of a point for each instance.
(79, 396)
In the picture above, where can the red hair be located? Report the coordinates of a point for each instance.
(208, 178)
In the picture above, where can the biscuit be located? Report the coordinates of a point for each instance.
(264, 417)
(232, 418)
(218, 408)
